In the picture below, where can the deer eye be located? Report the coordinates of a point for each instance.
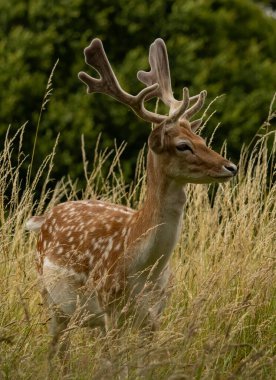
(182, 147)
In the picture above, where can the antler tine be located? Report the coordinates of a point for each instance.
(196, 106)
(108, 84)
(160, 73)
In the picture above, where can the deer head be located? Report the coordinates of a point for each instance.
(182, 155)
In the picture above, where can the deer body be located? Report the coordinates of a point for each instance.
(107, 245)
(99, 260)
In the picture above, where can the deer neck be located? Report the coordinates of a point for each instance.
(158, 222)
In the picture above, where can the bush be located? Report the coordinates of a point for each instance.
(224, 47)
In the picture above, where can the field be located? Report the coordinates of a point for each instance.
(220, 322)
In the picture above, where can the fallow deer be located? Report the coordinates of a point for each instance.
(94, 257)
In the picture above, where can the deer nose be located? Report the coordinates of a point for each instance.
(231, 168)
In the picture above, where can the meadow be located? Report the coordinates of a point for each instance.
(220, 321)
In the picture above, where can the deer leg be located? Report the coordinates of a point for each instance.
(69, 302)
(60, 294)
(147, 321)
(149, 305)
(60, 340)
(89, 312)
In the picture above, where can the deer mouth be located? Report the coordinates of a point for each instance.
(223, 178)
(228, 171)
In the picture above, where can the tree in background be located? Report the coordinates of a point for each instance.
(222, 46)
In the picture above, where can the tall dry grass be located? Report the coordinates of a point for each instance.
(220, 321)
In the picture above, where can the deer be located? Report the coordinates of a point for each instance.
(103, 261)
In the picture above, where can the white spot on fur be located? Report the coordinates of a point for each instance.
(60, 251)
(108, 248)
(117, 247)
(124, 231)
(87, 253)
(91, 259)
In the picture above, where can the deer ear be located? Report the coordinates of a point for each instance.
(196, 124)
(156, 139)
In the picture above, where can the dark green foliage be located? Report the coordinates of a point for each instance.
(226, 47)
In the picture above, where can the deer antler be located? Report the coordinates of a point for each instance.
(108, 84)
(160, 73)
